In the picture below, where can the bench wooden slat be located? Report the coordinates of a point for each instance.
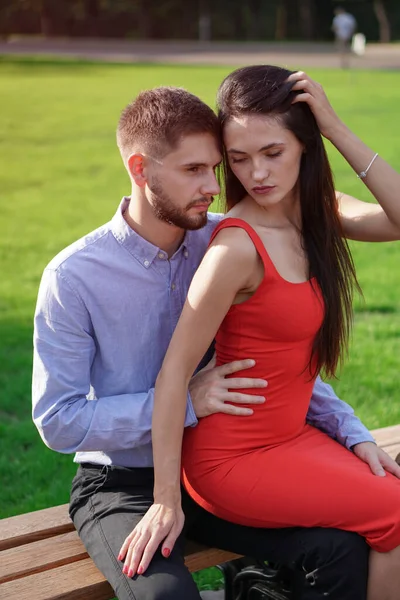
(34, 526)
(393, 450)
(387, 436)
(85, 583)
(204, 558)
(67, 548)
(40, 556)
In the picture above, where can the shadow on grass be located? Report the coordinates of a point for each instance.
(72, 64)
(15, 368)
(383, 309)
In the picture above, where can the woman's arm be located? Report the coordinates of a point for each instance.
(361, 221)
(225, 270)
(368, 222)
(229, 266)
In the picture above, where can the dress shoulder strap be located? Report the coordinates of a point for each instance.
(253, 235)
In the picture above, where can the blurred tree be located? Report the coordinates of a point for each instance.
(306, 13)
(383, 20)
(281, 20)
(255, 20)
(45, 9)
(87, 12)
(178, 19)
(204, 21)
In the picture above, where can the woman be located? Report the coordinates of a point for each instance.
(276, 284)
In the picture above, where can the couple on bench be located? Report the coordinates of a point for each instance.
(274, 465)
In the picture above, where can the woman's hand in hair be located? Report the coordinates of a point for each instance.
(313, 94)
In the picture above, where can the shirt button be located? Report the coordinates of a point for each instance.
(173, 286)
(161, 255)
(186, 254)
(146, 263)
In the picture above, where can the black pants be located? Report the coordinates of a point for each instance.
(107, 502)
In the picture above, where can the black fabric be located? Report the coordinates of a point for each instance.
(107, 502)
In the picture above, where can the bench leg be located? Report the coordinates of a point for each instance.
(229, 571)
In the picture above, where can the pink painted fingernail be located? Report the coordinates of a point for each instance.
(125, 570)
(166, 552)
(140, 570)
(119, 556)
(130, 572)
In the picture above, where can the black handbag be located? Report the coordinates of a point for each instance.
(249, 579)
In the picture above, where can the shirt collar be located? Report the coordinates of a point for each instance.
(145, 252)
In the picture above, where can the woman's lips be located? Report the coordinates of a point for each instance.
(263, 189)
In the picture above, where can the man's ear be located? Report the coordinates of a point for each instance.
(136, 165)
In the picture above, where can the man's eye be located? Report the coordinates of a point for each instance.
(194, 169)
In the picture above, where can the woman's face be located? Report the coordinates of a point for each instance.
(264, 156)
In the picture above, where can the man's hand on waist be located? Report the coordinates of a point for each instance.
(212, 392)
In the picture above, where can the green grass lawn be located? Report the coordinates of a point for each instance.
(61, 176)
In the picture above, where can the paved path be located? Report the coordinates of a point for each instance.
(294, 55)
(217, 595)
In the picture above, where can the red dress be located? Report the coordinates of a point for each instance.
(272, 469)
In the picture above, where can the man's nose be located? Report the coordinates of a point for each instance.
(211, 187)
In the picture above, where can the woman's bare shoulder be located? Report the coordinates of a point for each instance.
(236, 239)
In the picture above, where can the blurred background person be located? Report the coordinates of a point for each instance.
(344, 26)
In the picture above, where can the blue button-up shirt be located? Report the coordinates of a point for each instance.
(107, 307)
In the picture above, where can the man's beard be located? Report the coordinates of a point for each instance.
(165, 210)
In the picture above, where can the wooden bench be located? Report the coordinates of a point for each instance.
(42, 557)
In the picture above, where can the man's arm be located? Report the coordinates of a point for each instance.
(335, 417)
(338, 420)
(64, 348)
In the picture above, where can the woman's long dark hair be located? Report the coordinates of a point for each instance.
(264, 90)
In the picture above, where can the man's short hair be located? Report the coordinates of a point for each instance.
(156, 120)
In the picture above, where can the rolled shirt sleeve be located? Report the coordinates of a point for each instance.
(66, 416)
(335, 417)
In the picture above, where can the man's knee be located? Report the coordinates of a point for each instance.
(335, 563)
(343, 548)
(164, 580)
(172, 588)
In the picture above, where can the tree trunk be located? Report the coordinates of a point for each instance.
(92, 17)
(384, 25)
(255, 30)
(306, 13)
(204, 21)
(144, 20)
(281, 20)
(239, 19)
(46, 25)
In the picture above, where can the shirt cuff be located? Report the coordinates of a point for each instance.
(353, 440)
(190, 419)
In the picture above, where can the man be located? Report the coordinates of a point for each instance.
(107, 307)
(344, 26)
